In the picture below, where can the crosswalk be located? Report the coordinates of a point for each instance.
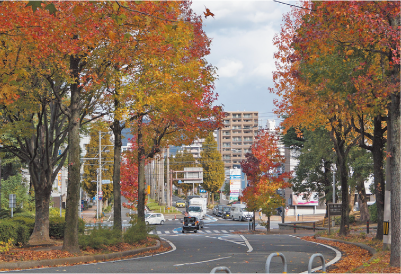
(204, 231)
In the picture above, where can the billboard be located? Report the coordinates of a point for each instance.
(235, 184)
(305, 199)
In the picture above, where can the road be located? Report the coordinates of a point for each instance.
(215, 245)
(200, 253)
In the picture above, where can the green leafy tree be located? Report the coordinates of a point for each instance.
(213, 166)
(313, 173)
(16, 185)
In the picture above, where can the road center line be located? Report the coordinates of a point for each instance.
(203, 261)
(250, 248)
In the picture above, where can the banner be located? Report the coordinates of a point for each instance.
(305, 199)
(235, 184)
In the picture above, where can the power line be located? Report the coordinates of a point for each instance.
(293, 5)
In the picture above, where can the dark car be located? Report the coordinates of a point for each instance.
(226, 212)
(191, 224)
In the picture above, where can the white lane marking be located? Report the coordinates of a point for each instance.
(216, 231)
(336, 258)
(203, 261)
(151, 232)
(166, 232)
(231, 230)
(208, 231)
(224, 231)
(250, 248)
(159, 232)
(200, 231)
(175, 231)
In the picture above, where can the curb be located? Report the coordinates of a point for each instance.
(371, 250)
(74, 260)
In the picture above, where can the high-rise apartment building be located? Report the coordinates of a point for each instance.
(236, 136)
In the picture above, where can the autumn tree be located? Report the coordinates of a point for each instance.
(129, 176)
(263, 167)
(213, 166)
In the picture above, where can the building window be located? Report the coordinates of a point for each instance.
(236, 127)
(226, 144)
(247, 115)
(226, 133)
(247, 127)
(237, 139)
(236, 115)
(237, 144)
(226, 121)
(247, 138)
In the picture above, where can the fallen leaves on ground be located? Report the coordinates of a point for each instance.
(358, 260)
(55, 252)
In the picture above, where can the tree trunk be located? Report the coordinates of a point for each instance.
(211, 193)
(351, 198)
(395, 167)
(268, 223)
(377, 154)
(117, 129)
(141, 173)
(40, 234)
(70, 242)
(362, 201)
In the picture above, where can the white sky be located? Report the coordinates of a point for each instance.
(242, 49)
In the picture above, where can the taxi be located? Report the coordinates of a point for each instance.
(180, 203)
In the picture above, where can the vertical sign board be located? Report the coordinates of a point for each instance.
(235, 184)
(59, 181)
(12, 202)
(386, 228)
(334, 210)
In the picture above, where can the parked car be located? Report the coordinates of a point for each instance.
(226, 212)
(191, 224)
(180, 203)
(216, 209)
(154, 219)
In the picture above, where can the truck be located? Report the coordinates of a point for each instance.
(239, 212)
(197, 207)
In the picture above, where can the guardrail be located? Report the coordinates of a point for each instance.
(220, 268)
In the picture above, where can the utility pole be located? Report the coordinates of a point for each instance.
(169, 204)
(100, 170)
(163, 201)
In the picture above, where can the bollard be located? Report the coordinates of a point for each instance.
(295, 228)
(367, 227)
(311, 261)
(175, 216)
(314, 226)
(220, 268)
(284, 261)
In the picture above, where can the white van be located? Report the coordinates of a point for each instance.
(239, 212)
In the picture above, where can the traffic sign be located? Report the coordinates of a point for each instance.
(179, 181)
(100, 193)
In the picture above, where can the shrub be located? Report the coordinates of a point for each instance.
(337, 219)
(138, 230)
(14, 230)
(29, 222)
(373, 213)
(100, 237)
(25, 214)
(57, 226)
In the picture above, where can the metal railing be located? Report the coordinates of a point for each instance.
(284, 261)
(221, 269)
(311, 261)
